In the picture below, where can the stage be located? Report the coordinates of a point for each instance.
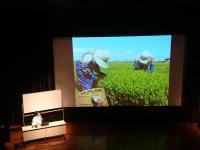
(122, 136)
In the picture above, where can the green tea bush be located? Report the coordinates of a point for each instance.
(125, 86)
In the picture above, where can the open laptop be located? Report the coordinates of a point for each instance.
(45, 123)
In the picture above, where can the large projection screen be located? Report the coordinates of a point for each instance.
(65, 70)
(40, 101)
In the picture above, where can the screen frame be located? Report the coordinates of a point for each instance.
(59, 43)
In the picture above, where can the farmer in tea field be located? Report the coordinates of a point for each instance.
(88, 68)
(145, 62)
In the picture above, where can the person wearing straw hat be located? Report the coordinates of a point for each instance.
(88, 68)
(144, 62)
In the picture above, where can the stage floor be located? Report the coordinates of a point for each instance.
(115, 136)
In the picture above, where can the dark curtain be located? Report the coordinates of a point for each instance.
(26, 61)
(27, 55)
(191, 80)
(28, 70)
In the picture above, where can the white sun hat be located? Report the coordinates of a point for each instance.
(101, 58)
(87, 56)
(144, 57)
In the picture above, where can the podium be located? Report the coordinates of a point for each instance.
(53, 129)
(44, 102)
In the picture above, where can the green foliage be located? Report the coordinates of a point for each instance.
(125, 86)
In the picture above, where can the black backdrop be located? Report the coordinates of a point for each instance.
(27, 55)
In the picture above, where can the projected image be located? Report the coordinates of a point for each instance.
(121, 71)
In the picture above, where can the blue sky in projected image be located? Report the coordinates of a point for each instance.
(124, 48)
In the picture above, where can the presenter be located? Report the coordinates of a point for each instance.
(37, 120)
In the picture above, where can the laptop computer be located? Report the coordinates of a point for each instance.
(45, 123)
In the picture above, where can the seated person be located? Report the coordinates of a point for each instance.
(37, 120)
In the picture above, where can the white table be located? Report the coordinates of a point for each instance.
(53, 129)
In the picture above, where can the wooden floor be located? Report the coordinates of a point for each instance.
(112, 136)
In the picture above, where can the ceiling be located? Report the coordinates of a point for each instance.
(85, 5)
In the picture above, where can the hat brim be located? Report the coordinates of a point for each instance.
(100, 62)
(143, 61)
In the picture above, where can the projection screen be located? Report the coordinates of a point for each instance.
(119, 70)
